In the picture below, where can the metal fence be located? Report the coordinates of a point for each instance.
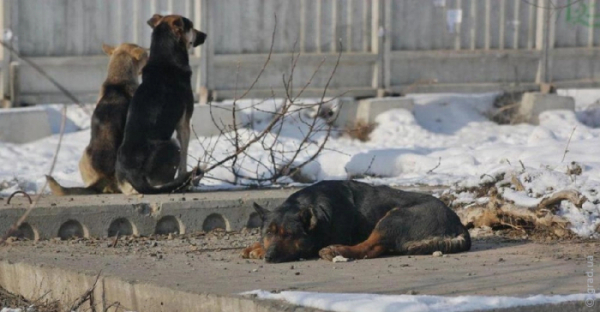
(388, 46)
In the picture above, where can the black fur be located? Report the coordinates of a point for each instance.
(347, 212)
(159, 103)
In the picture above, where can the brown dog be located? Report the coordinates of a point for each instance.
(163, 104)
(97, 165)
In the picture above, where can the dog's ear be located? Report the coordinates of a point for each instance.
(262, 212)
(154, 20)
(108, 49)
(199, 38)
(309, 218)
(139, 54)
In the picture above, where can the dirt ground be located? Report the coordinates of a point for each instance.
(210, 262)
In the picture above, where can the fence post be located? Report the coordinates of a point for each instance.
(5, 55)
(377, 35)
(202, 18)
(543, 43)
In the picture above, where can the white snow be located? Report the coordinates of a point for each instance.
(448, 140)
(409, 303)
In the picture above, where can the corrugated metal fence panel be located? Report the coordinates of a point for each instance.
(241, 32)
(387, 44)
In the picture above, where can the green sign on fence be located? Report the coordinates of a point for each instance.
(583, 13)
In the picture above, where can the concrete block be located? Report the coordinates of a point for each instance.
(26, 124)
(22, 125)
(350, 111)
(208, 120)
(534, 103)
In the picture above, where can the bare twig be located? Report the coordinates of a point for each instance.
(87, 296)
(436, 166)
(568, 142)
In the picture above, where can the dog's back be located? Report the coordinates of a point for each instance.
(97, 165)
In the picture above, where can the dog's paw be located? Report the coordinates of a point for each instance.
(257, 253)
(329, 252)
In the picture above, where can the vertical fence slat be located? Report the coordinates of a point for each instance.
(516, 24)
(136, 22)
(302, 25)
(487, 25)
(334, 19)
(530, 28)
(387, 44)
(319, 22)
(457, 26)
(365, 24)
(473, 24)
(592, 4)
(502, 25)
(349, 12)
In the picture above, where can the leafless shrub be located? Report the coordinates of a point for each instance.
(505, 109)
(281, 157)
(361, 130)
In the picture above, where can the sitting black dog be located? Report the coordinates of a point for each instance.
(356, 220)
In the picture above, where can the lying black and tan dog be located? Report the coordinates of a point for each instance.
(97, 165)
(356, 220)
(163, 103)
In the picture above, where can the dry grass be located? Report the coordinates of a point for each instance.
(361, 131)
(8, 299)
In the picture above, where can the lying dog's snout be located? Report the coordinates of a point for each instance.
(270, 255)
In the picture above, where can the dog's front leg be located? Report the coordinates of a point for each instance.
(183, 136)
(255, 251)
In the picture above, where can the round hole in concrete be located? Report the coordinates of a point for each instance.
(25, 231)
(169, 224)
(214, 221)
(70, 229)
(254, 221)
(122, 226)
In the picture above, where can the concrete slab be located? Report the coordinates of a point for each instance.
(105, 215)
(208, 120)
(350, 111)
(102, 215)
(27, 124)
(210, 264)
(535, 103)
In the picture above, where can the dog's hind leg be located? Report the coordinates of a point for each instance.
(183, 136)
(373, 247)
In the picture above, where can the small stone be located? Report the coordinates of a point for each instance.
(170, 236)
(297, 273)
(291, 267)
(339, 258)
(501, 260)
(437, 254)
(255, 270)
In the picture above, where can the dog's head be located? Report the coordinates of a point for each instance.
(287, 236)
(181, 27)
(125, 52)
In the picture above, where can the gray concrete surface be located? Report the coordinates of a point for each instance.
(210, 264)
(535, 103)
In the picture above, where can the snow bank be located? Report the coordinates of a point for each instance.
(410, 303)
(446, 141)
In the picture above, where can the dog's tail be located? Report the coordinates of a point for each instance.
(446, 245)
(140, 183)
(59, 190)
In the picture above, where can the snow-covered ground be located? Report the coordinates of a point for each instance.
(447, 141)
(410, 303)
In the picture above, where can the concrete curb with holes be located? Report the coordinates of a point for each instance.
(107, 215)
